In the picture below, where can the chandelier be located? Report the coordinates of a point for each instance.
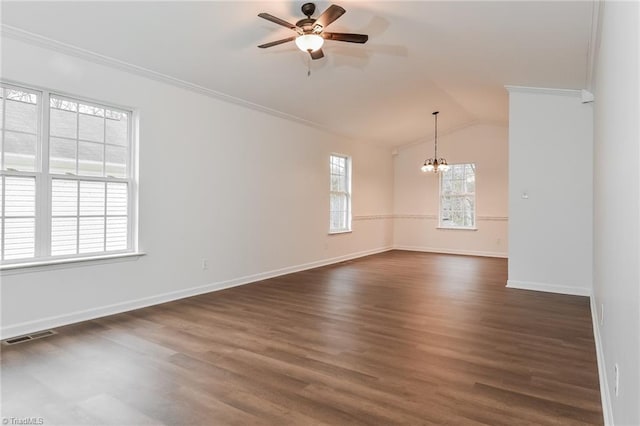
(435, 164)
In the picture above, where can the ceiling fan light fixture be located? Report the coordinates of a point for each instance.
(309, 42)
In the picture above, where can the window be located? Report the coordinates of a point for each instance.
(458, 197)
(340, 203)
(67, 177)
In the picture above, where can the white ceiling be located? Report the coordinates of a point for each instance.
(451, 56)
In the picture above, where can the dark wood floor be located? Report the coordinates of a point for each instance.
(395, 338)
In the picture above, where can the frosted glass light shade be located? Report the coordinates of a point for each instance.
(309, 42)
(428, 166)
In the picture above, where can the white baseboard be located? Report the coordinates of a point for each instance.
(549, 288)
(602, 367)
(452, 251)
(102, 311)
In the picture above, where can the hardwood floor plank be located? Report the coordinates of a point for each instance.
(395, 338)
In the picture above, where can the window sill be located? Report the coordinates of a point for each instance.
(346, 231)
(456, 229)
(37, 266)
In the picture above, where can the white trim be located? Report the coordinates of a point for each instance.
(67, 49)
(48, 265)
(89, 314)
(435, 217)
(549, 288)
(605, 396)
(456, 228)
(373, 217)
(451, 251)
(587, 96)
(492, 218)
(543, 91)
(416, 216)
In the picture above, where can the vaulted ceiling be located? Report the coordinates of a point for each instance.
(452, 56)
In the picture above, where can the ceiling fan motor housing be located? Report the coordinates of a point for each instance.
(308, 9)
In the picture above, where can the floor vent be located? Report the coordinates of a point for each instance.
(28, 337)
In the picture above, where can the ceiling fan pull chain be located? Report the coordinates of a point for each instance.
(308, 67)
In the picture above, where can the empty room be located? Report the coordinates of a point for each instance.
(351, 213)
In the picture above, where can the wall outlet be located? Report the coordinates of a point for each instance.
(617, 382)
(601, 314)
(205, 264)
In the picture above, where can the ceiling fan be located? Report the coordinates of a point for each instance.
(311, 32)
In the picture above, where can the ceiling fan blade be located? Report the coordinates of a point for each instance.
(277, 42)
(351, 38)
(332, 13)
(276, 20)
(317, 54)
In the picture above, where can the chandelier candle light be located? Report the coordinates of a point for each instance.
(435, 164)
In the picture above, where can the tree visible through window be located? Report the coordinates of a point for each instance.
(340, 194)
(458, 196)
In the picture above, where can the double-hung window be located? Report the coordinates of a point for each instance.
(67, 177)
(458, 197)
(340, 194)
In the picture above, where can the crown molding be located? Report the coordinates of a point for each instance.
(78, 52)
(544, 91)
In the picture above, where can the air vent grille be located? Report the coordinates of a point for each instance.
(28, 337)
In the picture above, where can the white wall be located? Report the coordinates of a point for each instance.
(416, 193)
(616, 212)
(550, 159)
(246, 190)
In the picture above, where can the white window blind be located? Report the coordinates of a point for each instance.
(340, 193)
(75, 200)
(458, 197)
(18, 217)
(88, 216)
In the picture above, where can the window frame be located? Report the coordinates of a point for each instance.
(44, 181)
(347, 193)
(36, 173)
(441, 225)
